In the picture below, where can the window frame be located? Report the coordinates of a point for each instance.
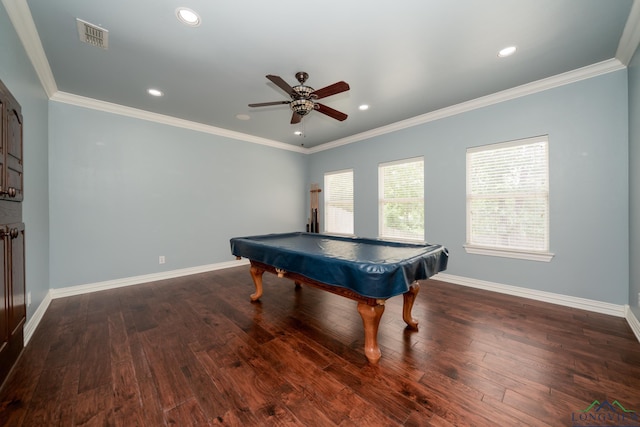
(327, 202)
(518, 253)
(382, 200)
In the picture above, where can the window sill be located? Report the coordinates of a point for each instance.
(509, 253)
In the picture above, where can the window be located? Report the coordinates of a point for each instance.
(508, 199)
(401, 199)
(338, 202)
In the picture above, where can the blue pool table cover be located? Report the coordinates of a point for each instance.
(370, 267)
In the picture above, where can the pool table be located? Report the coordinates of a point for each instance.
(368, 271)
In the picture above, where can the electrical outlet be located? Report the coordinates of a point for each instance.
(28, 299)
(161, 259)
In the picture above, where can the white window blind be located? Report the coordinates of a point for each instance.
(401, 199)
(338, 202)
(508, 196)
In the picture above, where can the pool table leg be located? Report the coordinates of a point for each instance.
(371, 315)
(409, 299)
(256, 274)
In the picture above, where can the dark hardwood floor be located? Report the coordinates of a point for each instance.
(195, 351)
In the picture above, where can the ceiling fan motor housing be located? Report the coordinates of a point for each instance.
(302, 77)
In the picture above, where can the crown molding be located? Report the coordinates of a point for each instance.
(21, 18)
(108, 107)
(569, 77)
(22, 21)
(630, 38)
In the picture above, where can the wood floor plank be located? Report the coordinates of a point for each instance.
(553, 411)
(195, 351)
(368, 383)
(237, 406)
(518, 417)
(118, 339)
(42, 407)
(95, 359)
(171, 385)
(94, 407)
(126, 394)
(187, 413)
(67, 400)
(149, 398)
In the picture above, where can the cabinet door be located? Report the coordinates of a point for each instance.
(3, 143)
(6, 356)
(13, 155)
(17, 307)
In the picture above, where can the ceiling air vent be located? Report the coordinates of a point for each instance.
(92, 34)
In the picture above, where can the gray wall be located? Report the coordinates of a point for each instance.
(634, 182)
(19, 76)
(587, 124)
(125, 191)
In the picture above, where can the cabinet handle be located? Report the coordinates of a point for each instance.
(11, 192)
(12, 233)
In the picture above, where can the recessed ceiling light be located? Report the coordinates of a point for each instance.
(507, 51)
(188, 16)
(243, 116)
(155, 92)
(298, 133)
(363, 107)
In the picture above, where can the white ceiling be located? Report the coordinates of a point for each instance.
(404, 58)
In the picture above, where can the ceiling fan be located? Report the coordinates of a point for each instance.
(303, 98)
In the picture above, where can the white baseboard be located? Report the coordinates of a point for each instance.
(634, 324)
(34, 321)
(565, 300)
(568, 301)
(136, 280)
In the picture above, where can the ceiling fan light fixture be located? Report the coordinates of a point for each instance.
(303, 91)
(363, 107)
(188, 16)
(302, 106)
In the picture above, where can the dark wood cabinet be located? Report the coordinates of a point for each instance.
(12, 263)
(14, 308)
(11, 178)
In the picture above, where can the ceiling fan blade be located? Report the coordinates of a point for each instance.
(334, 114)
(265, 104)
(295, 118)
(330, 90)
(279, 81)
